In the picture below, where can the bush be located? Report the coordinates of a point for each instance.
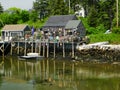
(101, 37)
(91, 30)
(96, 30)
(116, 30)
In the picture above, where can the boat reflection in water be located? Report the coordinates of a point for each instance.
(57, 75)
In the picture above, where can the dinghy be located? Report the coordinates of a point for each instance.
(31, 56)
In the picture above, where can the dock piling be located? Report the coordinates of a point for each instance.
(73, 54)
(63, 50)
(54, 49)
(11, 49)
(40, 47)
(25, 48)
(18, 48)
(48, 49)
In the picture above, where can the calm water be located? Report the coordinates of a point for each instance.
(57, 75)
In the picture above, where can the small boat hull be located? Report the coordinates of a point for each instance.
(30, 57)
(33, 54)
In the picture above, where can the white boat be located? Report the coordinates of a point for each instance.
(31, 56)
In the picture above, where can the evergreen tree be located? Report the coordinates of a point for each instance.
(41, 7)
(60, 8)
(106, 13)
(92, 17)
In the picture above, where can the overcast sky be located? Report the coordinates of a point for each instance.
(23, 4)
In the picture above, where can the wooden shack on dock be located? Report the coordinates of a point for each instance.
(63, 26)
(16, 31)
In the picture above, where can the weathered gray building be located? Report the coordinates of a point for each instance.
(63, 26)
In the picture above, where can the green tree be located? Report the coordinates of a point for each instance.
(1, 9)
(5, 18)
(14, 15)
(60, 8)
(33, 16)
(106, 13)
(24, 15)
(92, 17)
(41, 7)
(88, 4)
(99, 12)
(50, 7)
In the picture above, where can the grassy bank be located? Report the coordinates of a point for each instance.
(112, 38)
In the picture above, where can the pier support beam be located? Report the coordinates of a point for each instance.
(54, 49)
(73, 52)
(48, 49)
(44, 49)
(11, 49)
(40, 47)
(25, 48)
(18, 51)
(2, 49)
(63, 50)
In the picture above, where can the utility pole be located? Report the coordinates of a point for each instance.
(117, 12)
(69, 6)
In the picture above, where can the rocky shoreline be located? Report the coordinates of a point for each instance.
(102, 51)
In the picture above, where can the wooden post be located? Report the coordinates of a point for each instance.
(63, 49)
(36, 47)
(48, 49)
(18, 48)
(40, 47)
(44, 48)
(73, 54)
(54, 49)
(32, 47)
(25, 48)
(11, 49)
(3, 48)
(54, 43)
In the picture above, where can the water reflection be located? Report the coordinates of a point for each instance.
(57, 75)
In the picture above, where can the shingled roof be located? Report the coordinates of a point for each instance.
(17, 27)
(72, 24)
(59, 20)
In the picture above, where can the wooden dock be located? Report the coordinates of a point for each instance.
(4, 48)
(44, 48)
